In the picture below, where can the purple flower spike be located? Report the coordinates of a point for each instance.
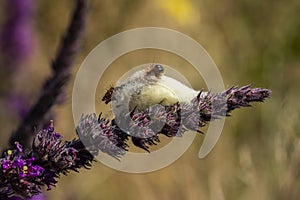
(144, 126)
(141, 126)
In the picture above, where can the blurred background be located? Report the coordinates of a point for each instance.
(258, 42)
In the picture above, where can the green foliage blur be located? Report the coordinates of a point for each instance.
(258, 42)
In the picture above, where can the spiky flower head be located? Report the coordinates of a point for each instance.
(19, 174)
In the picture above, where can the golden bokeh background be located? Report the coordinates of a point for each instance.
(258, 42)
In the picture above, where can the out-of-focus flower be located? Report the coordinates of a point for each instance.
(182, 11)
(17, 45)
(16, 37)
(18, 104)
(38, 197)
